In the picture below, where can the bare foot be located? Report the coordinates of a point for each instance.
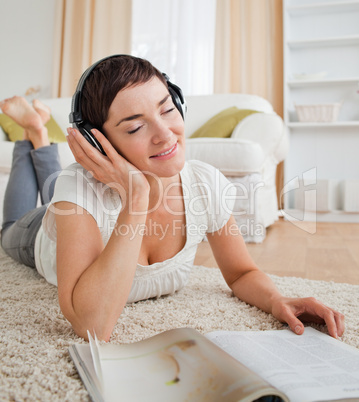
(21, 112)
(25, 116)
(43, 110)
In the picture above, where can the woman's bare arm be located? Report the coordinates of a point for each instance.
(94, 280)
(254, 287)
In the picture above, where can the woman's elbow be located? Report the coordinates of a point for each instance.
(102, 334)
(81, 323)
(103, 331)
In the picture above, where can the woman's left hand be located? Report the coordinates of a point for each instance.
(295, 311)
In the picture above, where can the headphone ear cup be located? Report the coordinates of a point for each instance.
(177, 96)
(85, 130)
(177, 102)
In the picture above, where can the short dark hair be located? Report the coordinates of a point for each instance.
(107, 79)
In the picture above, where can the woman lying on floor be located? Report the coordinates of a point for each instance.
(124, 225)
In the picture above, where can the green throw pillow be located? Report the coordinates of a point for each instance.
(223, 123)
(15, 132)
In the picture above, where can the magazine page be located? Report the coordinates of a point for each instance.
(309, 367)
(176, 365)
(82, 358)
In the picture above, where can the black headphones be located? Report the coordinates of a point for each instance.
(85, 128)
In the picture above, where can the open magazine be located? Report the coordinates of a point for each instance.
(183, 365)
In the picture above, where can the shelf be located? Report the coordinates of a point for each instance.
(334, 41)
(321, 65)
(337, 124)
(320, 8)
(330, 81)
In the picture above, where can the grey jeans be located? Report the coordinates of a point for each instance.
(33, 171)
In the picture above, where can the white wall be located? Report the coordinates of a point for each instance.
(26, 44)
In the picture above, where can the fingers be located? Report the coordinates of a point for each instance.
(286, 313)
(84, 153)
(78, 142)
(295, 324)
(296, 311)
(112, 172)
(340, 321)
(82, 149)
(333, 319)
(330, 321)
(106, 145)
(98, 165)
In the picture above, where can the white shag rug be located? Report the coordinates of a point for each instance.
(34, 335)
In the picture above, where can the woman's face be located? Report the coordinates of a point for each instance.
(146, 128)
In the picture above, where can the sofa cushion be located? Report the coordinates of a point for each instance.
(231, 156)
(223, 123)
(15, 132)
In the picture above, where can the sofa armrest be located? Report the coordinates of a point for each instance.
(6, 148)
(266, 129)
(229, 155)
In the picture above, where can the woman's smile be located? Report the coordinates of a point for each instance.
(167, 154)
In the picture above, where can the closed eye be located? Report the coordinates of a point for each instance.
(134, 131)
(169, 110)
(139, 127)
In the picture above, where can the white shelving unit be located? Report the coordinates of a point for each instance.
(321, 66)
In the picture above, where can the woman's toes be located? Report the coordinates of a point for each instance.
(43, 110)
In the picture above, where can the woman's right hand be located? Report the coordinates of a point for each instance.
(113, 169)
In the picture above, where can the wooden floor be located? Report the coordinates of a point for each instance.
(329, 254)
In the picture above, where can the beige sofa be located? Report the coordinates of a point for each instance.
(249, 158)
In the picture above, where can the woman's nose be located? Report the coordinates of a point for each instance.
(161, 132)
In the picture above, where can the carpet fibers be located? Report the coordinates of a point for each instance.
(34, 335)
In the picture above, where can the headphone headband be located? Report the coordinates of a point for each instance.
(76, 114)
